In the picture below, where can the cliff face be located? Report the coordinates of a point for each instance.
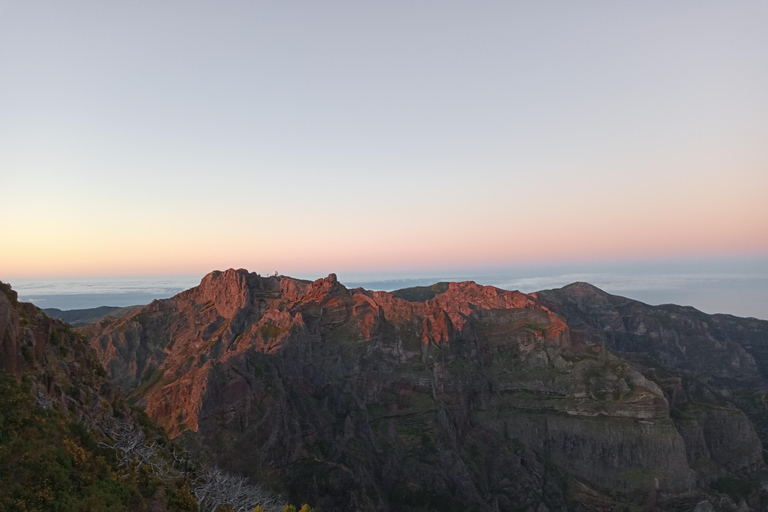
(11, 357)
(460, 397)
(713, 369)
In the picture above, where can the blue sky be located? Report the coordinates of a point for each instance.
(177, 137)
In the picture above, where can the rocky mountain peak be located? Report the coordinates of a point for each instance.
(581, 288)
(228, 290)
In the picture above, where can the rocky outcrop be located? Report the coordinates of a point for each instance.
(427, 398)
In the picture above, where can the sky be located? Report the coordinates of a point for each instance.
(172, 138)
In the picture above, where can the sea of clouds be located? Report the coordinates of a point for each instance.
(81, 293)
(736, 288)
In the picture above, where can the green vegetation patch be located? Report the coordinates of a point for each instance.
(271, 331)
(343, 334)
(576, 358)
(151, 378)
(142, 318)
(737, 488)
(48, 462)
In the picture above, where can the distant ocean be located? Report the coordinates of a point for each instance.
(738, 287)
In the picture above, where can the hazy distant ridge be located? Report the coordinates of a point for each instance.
(80, 317)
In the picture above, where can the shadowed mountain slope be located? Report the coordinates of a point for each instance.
(722, 349)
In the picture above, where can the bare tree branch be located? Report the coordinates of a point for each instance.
(217, 488)
(214, 488)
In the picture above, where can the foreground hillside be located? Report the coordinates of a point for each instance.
(64, 426)
(454, 397)
(69, 441)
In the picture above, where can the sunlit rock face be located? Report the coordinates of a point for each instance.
(455, 397)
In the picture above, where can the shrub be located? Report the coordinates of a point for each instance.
(737, 488)
(48, 462)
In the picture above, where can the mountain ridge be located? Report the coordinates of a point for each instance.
(302, 372)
